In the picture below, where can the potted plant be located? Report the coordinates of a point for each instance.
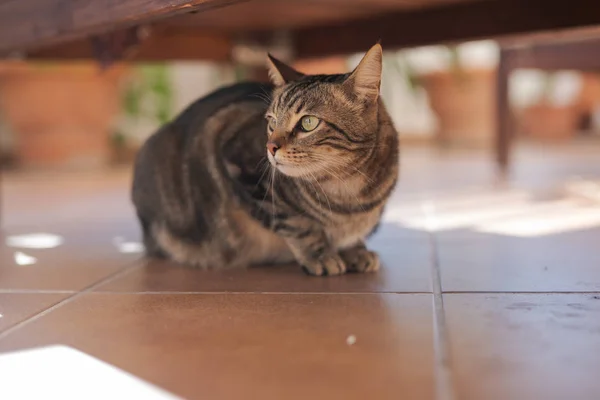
(147, 101)
(61, 114)
(463, 100)
(547, 120)
(588, 101)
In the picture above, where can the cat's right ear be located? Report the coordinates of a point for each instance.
(365, 80)
(281, 73)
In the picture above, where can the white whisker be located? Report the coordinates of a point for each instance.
(322, 190)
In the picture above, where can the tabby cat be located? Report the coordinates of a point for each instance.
(258, 174)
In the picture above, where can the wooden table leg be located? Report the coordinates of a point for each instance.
(504, 125)
(1, 191)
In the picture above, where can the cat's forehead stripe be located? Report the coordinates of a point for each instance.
(293, 91)
(300, 92)
(275, 103)
(300, 106)
(299, 98)
(296, 89)
(287, 93)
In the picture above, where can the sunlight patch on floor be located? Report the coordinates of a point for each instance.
(66, 373)
(127, 247)
(35, 241)
(24, 259)
(505, 212)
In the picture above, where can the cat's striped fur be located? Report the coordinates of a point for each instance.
(207, 196)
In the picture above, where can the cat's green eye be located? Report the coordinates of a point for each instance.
(309, 123)
(271, 124)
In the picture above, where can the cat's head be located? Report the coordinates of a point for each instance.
(321, 124)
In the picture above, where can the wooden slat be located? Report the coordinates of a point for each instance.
(269, 15)
(294, 14)
(554, 37)
(580, 55)
(504, 119)
(451, 23)
(23, 26)
(163, 44)
(26, 24)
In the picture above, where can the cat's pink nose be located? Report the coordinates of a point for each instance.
(272, 147)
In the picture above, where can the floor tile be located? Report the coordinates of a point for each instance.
(88, 254)
(66, 198)
(17, 307)
(406, 268)
(566, 262)
(524, 346)
(263, 346)
(90, 210)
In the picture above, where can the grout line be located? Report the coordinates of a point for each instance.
(36, 291)
(222, 292)
(518, 292)
(450, 292)
(107, 279)
(167, 292)
(444, 388)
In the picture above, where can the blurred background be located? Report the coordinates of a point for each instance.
(489, 287)
(76, 115)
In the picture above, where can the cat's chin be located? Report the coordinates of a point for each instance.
(289, 170)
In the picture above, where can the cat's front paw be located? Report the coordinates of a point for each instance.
(361, 260)
(329, 265)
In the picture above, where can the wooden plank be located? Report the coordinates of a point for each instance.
(26, 24)
(565, 54)
(505, 126)
(579, 55)
(23, 26)
(459, 22)
(556, 36)
(295, 14)
(161, 45)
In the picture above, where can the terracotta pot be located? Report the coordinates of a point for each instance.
(62, 114)
(549, 122)
(464, 103)
(329, 65)
(589, 96)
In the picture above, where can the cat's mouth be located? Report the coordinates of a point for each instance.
(272, 159)
(290, 168)
(284, 167)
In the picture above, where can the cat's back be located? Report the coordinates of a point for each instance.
(191, 120)
(162, 156)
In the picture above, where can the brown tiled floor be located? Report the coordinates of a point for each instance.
(87, 255)
(566, 262)
(18, 307)
(525, 346)
(279, 346)
(488, 291)
(408, 272)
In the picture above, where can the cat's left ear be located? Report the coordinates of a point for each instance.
(365, 80)
(281, 73)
